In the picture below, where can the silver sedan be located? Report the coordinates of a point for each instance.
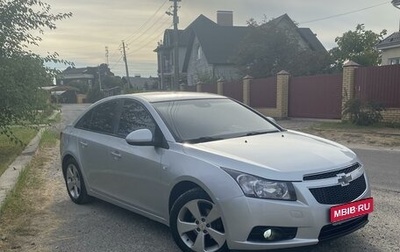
(219, 174)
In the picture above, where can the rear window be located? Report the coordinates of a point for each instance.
(100, 118)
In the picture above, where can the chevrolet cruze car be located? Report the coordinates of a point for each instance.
(218, 173)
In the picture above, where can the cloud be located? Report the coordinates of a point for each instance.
(98, 23)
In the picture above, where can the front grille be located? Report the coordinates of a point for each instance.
(332, 174)
(334, 231)
(340, 194)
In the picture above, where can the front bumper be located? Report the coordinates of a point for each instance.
(310, 218)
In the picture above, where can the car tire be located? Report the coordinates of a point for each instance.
(74, 182)
(196, 223)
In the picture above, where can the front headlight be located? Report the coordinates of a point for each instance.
(257, 187)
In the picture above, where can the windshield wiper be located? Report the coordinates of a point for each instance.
(203, 139)
(260, 132)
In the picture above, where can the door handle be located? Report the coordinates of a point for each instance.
(116, 155)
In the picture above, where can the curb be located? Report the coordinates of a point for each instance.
(10, 176)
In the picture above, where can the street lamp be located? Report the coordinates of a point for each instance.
(396, 3)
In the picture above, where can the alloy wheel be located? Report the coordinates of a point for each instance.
(200, 226)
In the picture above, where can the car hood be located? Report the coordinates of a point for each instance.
(287, 155)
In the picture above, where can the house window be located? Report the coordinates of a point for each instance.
(394, 61)
(198, 55)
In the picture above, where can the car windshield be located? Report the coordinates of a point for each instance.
(203, 120)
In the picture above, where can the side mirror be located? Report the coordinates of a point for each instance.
(141, 137)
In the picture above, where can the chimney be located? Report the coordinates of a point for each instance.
(225, 18)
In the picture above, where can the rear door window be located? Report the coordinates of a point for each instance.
(134, 116)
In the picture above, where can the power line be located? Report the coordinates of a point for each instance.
(160, 19)
(146, 22)
(343, 14)
(115, 53)
(145, 41)
(150, 37)
(142, 26)
(146, 44)
(117, 62)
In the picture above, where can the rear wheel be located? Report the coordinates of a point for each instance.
(196, 223)
(74, 181)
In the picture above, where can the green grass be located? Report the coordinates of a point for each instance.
(44, 116)
(13, 203)
(9, 150)
(350, 126)
(20, 203)
(49, 138)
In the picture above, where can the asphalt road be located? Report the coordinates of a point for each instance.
(99, 226)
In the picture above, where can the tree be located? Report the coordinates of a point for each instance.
(268, 49)
(22, 71)
(357, 46)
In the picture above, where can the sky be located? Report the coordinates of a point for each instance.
(97, 24)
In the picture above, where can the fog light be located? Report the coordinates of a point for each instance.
(268, 234)
(271, 234)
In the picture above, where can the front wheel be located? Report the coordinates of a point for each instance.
(196, 223)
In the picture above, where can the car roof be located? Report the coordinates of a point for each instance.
(171, 96)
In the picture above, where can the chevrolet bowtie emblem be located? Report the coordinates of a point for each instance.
(344, 180)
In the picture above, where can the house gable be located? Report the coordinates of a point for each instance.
(311, 39)
(390, 48)
(207, 47)
(211, 46)
(391, 41)
(305, 37)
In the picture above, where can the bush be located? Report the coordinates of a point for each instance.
(363, 113)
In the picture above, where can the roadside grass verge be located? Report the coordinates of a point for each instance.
(45, 116)
(9, 150)
(380, 134)
(25, 200)
(349, 126)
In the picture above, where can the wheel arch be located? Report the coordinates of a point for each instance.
(182, 193)
(215, 188)
(179, 189)
(65, 158)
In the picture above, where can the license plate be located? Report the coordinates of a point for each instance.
(351, 210)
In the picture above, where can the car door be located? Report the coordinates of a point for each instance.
(137, 169)
(95, 134)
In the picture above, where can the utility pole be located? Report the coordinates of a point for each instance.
(176, 45)
(126, 64)
(100, 85)
(107, 53)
